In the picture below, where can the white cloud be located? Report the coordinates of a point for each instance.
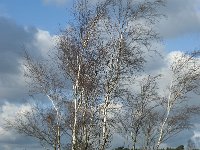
(44, 42)
(9, 110)
(13, 89)
(36, 41)
(196, 135)
(9, 140)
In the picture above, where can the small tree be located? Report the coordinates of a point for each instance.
(185, 79)
(41, 124)
(181, 147)
(45, 78)
(150, 118)
(139, 115)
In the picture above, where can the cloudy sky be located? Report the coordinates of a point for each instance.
(35, 23)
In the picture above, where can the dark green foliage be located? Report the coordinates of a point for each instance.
(181, 147)
(121, 148)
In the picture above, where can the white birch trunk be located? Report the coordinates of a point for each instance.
(74, 125)
(58, 137)
(75, 109)
(169, 105)
(57, 142)
(105, 127)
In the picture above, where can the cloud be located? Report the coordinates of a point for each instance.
(157, 65)
(13, 90)
(183, 17)
(9, 140)
(196, 134)
(44, 42)
(13, 40)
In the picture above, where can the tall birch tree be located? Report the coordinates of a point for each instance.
(149, 117)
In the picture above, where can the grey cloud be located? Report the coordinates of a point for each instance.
(183, 17)
(180, 139)
(155, 58)
(13, 90)
(13, 40)
(14, 146)
(17, 140)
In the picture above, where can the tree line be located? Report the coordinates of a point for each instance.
(180, 147)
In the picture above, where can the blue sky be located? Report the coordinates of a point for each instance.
(35, 23)
(185, 43)
(37, 13)
(51, 15)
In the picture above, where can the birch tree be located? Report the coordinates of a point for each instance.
(128, 30)
(41, 124)
(80, 53)
(47, 81)
(111, 41)
(139, 115)
(153, 117)
(178, 110)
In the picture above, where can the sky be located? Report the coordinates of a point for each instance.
(34, 24)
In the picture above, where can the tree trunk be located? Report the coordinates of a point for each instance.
(58, 136)
(134, 140)
(74, 125)
(169, 105)
(105, 126)
(75, 108)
